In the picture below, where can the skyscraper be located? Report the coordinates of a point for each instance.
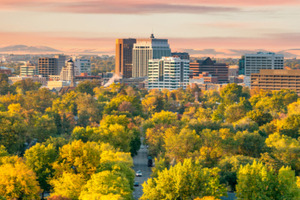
(145, 50)
(61, 59)
(123, 64)
(168, 73)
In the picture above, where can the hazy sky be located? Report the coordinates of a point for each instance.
(93, 25)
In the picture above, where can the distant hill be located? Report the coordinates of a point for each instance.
(27, 49)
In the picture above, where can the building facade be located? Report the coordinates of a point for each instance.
(276, 80)
(68, 73)
(168, 73)
(123, 63)
(61, 60)
(253, 63)
(28, 69)
(145, 50)
(48, 66)
(82, 66)
(219, 70)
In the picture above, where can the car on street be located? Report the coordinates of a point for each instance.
(136, 184)
(138, 173)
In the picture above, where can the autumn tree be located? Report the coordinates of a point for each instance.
(18, 181)
(40, 158)
(257, 182)
(185, 180)
(68, 185)
(107, 184)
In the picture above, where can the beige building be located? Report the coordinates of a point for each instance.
(269, 79)
(39, 79)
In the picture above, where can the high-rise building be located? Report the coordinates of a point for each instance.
(48, 66)
(28, 69)
(253, 63)
(168, 73)
(145, 50)
(123, 64)
(82, 66)
(269, 79)
(61, 59)
(219, 70)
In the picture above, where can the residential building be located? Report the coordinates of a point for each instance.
(28, 69)
(268, 79)
(219, 70)
(145, 50)
(253, 63)
(123, 59)
(168, 73)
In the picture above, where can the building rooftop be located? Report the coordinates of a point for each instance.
(279, 72)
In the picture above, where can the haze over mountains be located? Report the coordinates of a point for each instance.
(289, 53)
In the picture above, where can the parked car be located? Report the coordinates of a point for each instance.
(136, 184)
(138, 173)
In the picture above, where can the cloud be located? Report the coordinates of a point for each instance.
(115, 7)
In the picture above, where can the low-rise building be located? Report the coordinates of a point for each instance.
(276, 80)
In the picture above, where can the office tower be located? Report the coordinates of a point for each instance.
(61, 59)
(28, 69)
(123, 63)
(48, 66)
(145, 50)
(269, 79)
(219, 70)
(82, 66)
(168, 73)
(253, 63)
(181, 55)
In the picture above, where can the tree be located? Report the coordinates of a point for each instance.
(231, 93)
(257, 182)
(185, 180)
(40, 158)
(79, 157)
(18, 181)
(87, 87)
(68, 185)
(182, 145)
(26, 85)
(250, 144)
(107, 183)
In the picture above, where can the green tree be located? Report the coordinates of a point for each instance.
(107, 183)
(257, 182)
(40, 158)
(185, 180)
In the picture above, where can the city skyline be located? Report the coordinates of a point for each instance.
(203, 27)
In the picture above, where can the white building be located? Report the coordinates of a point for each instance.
(253, 63)
(82, 66)
(67, 72)
(28, 69)
(168, 73)
(146, 49)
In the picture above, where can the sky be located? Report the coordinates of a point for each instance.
(198, 26)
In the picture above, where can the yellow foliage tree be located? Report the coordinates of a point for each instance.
(18, 181)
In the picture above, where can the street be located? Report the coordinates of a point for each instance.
(140, 162)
